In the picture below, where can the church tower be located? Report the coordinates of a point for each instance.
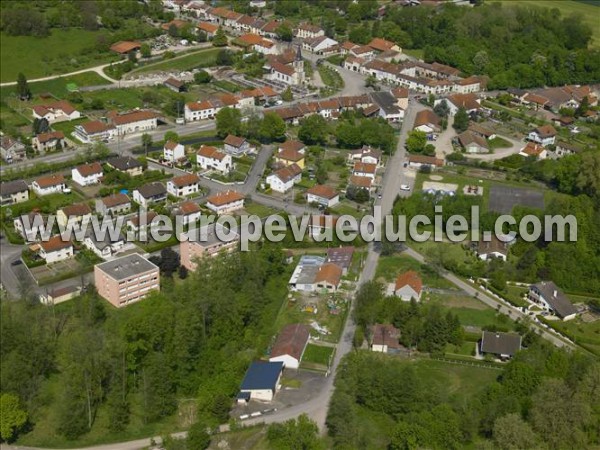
(299, 65)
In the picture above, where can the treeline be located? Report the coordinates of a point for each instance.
(574, 266)
(195, 338)
(544, 398)
(516, 46)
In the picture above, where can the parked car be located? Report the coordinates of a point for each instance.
(404, 187)
(18, 262)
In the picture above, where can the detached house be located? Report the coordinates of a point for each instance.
(203, 110)
(501, 345)
(126, 164)
(307, 30)
(11, 150)
(55, 249)
(361, 169)
(52, 140)
(291, 152)
(428, 122)
(566, 149)
(59, 111)
(323, 195)
(150, 193)
(544, 135)
(384, 338)
(87, 174)
(382, 45)
(283, 180)
(173, 151)
(225, 202)
(49, 184)
(473, 143)
(549, 296)
(536, 150)
(328, 278)
(104, 248)
(74, 216)
(31, 226)
(113, 204)
(211, 158)
(209, 28)
(408, 286)
(13, 192)
(235, 145)
(290, 345)
(183, 185)
(188, 212)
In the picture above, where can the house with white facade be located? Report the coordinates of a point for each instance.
(183, 185)
(408, 286)
(55, 249)
(544, 135)
(11, 150)
(188, 212)
(549, 296)
(31, 226)
(94, 131)
(107, 247)
(235, 145)
(203, 110)
(323, 195)
(225, 202)
(134, 122)
(115, 204)
(87, 174)
(307, 30)
(361, 169)
(211, 158)
(320, 45)
(290, 344)
(173, 151)
(150, 193)
(283, 180)
(58, 111)
(49, 184)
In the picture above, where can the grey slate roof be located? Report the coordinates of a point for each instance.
(12, 187)
(151, 190)
(500, 343)
(124, 163)
(127, 266)
(559, 302)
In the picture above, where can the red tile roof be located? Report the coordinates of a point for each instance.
(125, 46)
(50, 136)
(211, 152)
(95, 127)
(208, 27)
(323, 191)
(54, 244)
(115, 200)
(132, 117)
(381, 45)
(50, 180)
(410, 278)
(329, 272)
(292, 340)
(87, 170)
(76, 210)
(224, 198)
(234, 141)
(185, 180)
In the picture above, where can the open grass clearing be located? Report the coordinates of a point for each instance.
(389, 267)
(317, 354)
(201, 58)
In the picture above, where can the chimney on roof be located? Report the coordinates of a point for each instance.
(555, 293)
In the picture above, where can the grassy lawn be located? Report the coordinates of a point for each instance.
(389, 267)
(202, 58)
(331, 78)
(345, 207)
(117, 98)
(227, 85)
(499, 142)
(68, 127)
(465, 349)
(62, 52)
(414, 52)
(589, 12)
(258, 209)
(585, 334)
(514, 294)
(317, 354)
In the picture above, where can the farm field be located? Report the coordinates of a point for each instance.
(588, 9)
(62, 52)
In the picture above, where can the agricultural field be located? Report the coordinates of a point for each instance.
(62, 52)
(588, 9)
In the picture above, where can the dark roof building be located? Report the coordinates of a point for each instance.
(504, 345)
(261, 380)
(549, 295)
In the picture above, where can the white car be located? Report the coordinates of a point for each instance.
(404, 187)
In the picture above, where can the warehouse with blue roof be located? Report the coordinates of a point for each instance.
(261, 381)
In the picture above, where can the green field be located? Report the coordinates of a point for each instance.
(317, 354)
(62, 52)
(588, 9)
(58, 86)
(202, 58)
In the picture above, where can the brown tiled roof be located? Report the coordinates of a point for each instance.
(423, 159)
(410, 278)
(54, 244)
(234, 141)
(380, 45)
(281, 68)
(533, 149)
(224, 198)
(426, 117)
(292, 145)
(292, 340)
(309, 27)
(200, 106)
(385, 335)
(400, 92)
(135, 116)
(361, 50)
(188, 208)
(271, 26)
(361, 182)
(175, 82)
(211, 152)
(49, 136)
(545, 131)
(322, 190)
(290, 155)
(495, 245)
(95, 126)
(329, 272)
(77, 209)
(250, 38)
(50, 180)
(185, 180)
(534, 98)
(348, 45)
(177, 22)
(170, 145)
(89, 169)
(288, 173)
(208, 27)
(468, 137)
(115, 200)
(125, 46)
(467, 101)
(364, 167)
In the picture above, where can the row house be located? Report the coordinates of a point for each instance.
(184, 185)
(210, 29)
(134, 122)
(204, 110)
(94, 131)
(307, 31)
(257, 43)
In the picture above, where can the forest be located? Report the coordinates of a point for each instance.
(93, 371)
(544, 398)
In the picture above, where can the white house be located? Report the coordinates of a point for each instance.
(11, 150)
(87, 174)
(323, 195)
(283, 180)
(173, 151)
(319, 45)
(536, 150)
(58, 111)
(225, 202)
(408, 285)
(94, 131)
(134, 122)
(307, 30)
(361, 169)
(183, 185)
(548, 295)
(105, 248)
(235, 145)
(290, 344)
(544, 135)
(49, 184)
(495, 248)
(200, 110)
(470, 102)
(188, 211)
(55, 249)
(211, 158)
(150, 193)
(30, 226)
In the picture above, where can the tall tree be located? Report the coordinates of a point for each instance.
(229, 121)
(23, 90)
(12, 417)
